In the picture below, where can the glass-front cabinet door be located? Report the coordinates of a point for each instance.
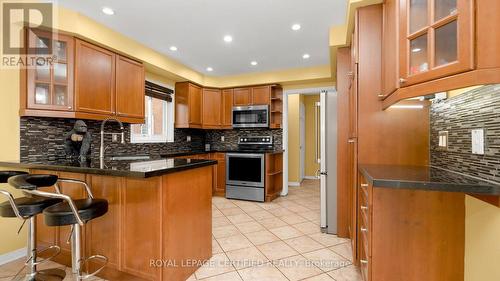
(50, 77)
(436, 39)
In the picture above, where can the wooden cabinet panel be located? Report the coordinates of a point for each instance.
(274, 176)
(129, 88)
(188, 105)
(390, 48)
(50, 87)
(94, 79)
(212, 109)
(242, 97)
(219, 173)
(187, 220)
(227, 109)
(103, 232)
(142, 203)
(195, 106)
(261, 95)
(439, 44)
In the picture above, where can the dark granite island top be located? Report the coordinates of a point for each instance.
(426, 178)
(156, 166)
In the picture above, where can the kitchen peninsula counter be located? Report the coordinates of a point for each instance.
(159, 223)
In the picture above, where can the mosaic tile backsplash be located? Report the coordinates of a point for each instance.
(476, 109)
(43, 139)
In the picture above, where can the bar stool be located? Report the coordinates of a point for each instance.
(69, 212)
(26, 209)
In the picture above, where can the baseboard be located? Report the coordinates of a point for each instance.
(12, 256)
(311, 178)
(293, 183)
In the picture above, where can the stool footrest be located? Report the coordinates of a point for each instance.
(94, 257)
(57, 252)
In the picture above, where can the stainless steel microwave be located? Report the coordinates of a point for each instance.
(256, 116)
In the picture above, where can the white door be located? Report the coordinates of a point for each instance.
(302, 145)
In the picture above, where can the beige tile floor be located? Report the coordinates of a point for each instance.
(273, 241)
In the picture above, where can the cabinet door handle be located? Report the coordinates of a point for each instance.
(364, 185)
(364, 229)
(364, 208)
(402, 81)
(363, 261)
(351, 140)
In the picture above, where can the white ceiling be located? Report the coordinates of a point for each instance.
(261, 30)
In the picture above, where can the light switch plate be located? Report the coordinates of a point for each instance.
(222, 139)
(188, 138)
(478, 141)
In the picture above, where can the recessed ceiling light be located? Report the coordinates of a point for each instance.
(416, 50)
(108, 11)
(296, 27)
(254, 63)
(173, 48)
(306, 56)
(210, 69)
(228, 38)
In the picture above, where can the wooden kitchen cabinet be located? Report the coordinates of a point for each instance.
(227, 108)
(242, 97)
(219, 174)
(261, 95)
(49, 87)
(211, 108)
(436, 39)
(85, 81)
(188, 105)
(94, 79)
(129, 88)
(274, 175)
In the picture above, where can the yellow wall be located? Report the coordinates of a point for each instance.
(311, 165)
(294, 138)
(482, 241)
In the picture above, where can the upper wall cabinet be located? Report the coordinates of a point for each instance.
(49, 87)
(129, 87)
(227, 108)
(212, 109)
(95, 79)
(85, 81)
(188, 105)
(436, 39)
(260, 95)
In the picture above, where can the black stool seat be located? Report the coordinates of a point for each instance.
(88, 209)
(5, 175)
(28, 207)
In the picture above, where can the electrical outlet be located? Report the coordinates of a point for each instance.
(188, 138)
(222, 139)
(478, 141)
(443, 140)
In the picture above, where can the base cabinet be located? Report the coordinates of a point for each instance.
(160, 218)
(410, 235)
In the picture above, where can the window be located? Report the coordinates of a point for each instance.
(158, 125)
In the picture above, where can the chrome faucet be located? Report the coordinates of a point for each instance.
(102, 149)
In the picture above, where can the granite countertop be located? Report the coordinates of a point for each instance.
(426, 178)
(155, 166)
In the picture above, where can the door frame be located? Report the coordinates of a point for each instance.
(286, 92)
(302, 141)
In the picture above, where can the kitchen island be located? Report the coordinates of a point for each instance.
(159, 223)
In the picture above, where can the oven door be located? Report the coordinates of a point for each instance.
(251, 116)
(245, 169)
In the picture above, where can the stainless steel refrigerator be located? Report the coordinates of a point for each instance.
(327, 135)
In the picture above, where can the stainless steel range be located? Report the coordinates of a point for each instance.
(245, 171)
